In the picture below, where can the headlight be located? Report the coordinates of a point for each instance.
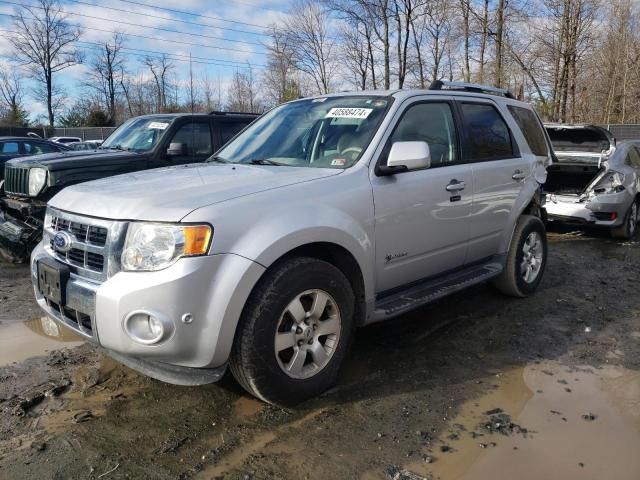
(154, 246)
(611, 182)
(37, 179)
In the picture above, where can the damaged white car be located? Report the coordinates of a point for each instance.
(598, 188)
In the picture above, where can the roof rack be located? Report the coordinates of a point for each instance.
(470, 87)
(216, 112)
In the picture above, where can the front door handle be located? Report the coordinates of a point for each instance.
(455, 186)
(519, 175)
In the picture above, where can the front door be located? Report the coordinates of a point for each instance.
(196, 135)
(421, 216)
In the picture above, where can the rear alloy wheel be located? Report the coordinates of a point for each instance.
(294, 332)
(628, 229)
(526, 259)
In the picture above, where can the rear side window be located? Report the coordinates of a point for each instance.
(531, 129)
(38, 148)
(9, 147)
(228, 130)
(488, 134)
(633, 159)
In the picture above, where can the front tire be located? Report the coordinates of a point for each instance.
(294, 332)
(526, 259)
(628, 229)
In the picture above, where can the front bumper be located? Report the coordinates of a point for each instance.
(20, 227)
(213, 289)
(568, 209)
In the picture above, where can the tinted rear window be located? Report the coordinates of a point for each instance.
(531, 129)
(489, 136)
(578, 139)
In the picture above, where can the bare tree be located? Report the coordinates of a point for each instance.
(44, 42)
(107, 72)
(314, 47)
(160, 68)
(279, 79)
(211, 92)
(12, 94)
(242, 94)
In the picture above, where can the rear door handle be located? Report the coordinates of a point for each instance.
(455, 186)
(519, 175)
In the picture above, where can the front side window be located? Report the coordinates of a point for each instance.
(488, 135)
(9, 147)
(432, 123)
(531, 129)
(138, 134)
(196, 136)
(329, 132)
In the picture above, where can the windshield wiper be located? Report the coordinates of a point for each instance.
(265, 161)
(116, 147)
(218, 159)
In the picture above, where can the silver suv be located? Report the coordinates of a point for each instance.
(324, 215)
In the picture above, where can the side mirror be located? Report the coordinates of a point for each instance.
(405, 156)
(177, 150)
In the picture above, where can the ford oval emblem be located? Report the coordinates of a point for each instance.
(62, 242)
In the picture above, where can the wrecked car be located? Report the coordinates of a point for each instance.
(141, 143)
(594, 183)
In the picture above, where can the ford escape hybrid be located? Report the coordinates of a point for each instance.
(325, 214)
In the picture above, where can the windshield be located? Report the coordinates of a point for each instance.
(137, 134)
(322, 133)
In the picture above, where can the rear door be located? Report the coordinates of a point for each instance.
(499, 175)
(422, 216)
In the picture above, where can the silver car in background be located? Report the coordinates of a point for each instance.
(609, 198)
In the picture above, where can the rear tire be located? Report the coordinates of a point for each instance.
(526, 259)
(294, 332)
(628, 229)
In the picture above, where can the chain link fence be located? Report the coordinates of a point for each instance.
(624, 132)
(85, 133)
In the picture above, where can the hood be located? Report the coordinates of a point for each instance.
(581, 143)
(74, 159)
(171, 193)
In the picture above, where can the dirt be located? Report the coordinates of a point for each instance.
(474, 386)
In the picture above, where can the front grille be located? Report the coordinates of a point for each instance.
(83, 232)
(96, 244)
(73, 318)
(16, 180)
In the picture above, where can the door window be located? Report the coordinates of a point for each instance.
(531, 129)
(488, 135)
(33, 148)
(197, 137)
(432, 123)
(228, 130)
(9, 147)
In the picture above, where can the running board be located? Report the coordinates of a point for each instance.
(424, 292)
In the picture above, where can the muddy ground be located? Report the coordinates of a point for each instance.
(473, 386)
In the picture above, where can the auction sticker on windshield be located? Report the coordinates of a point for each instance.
(158, 125)
(360, 113)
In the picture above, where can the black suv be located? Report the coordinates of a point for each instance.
(141, 143)
(16, 147)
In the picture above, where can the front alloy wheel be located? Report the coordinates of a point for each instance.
(307, 334)
(294, 332)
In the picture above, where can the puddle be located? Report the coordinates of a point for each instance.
(22, 340)
(549, 400)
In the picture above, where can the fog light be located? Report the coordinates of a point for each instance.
(147, 328)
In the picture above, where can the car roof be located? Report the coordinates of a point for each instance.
(403, 94)
(212, 114)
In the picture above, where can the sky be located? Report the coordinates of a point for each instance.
(221, 35)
